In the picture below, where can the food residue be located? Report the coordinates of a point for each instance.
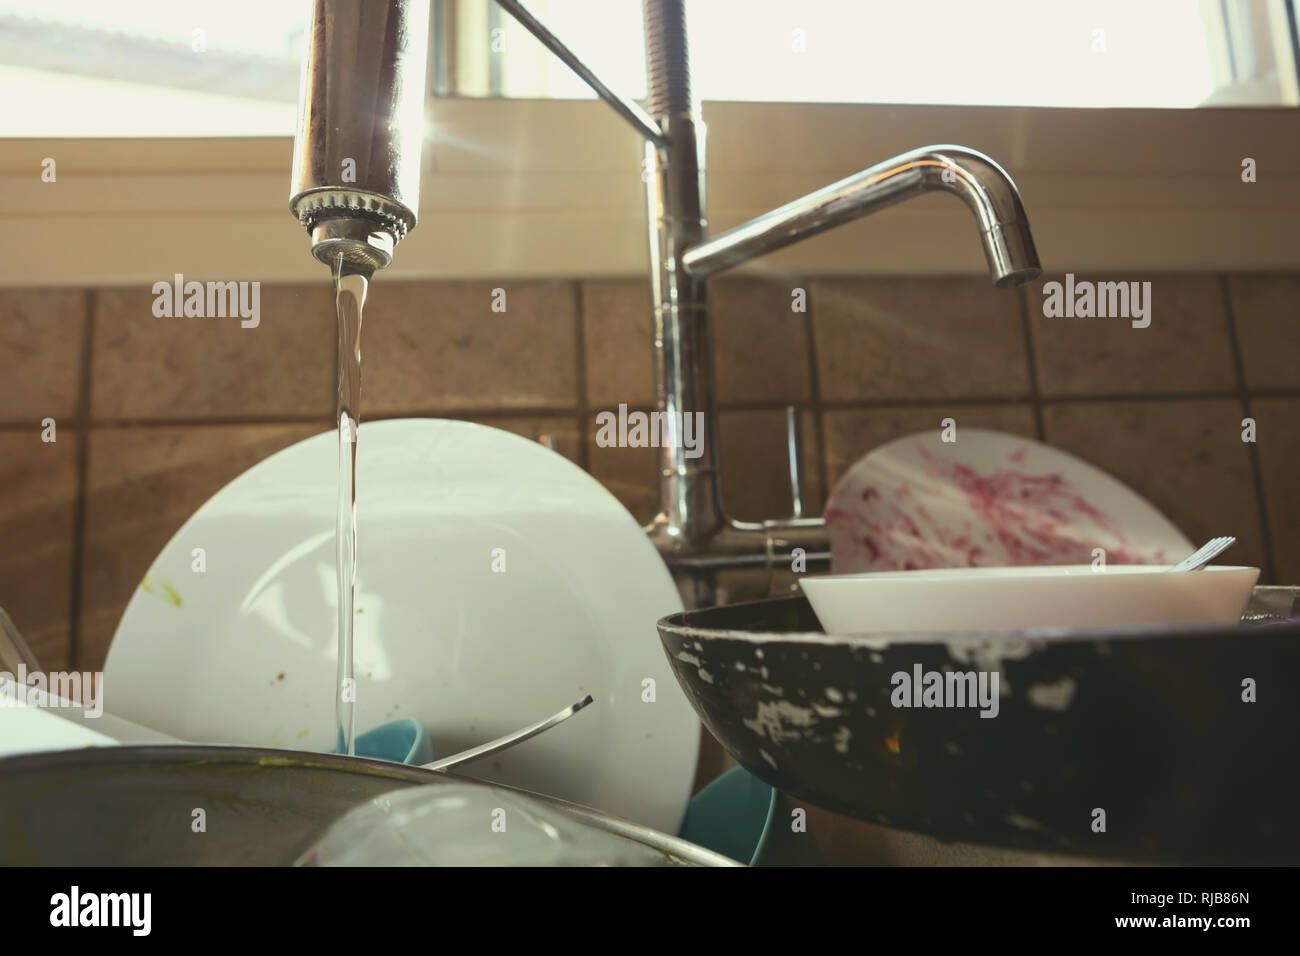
(161, 590)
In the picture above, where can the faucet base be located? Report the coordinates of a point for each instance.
(748, 557)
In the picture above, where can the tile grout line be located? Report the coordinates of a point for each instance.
(580, 374)
(83, 472)
(562, 411)
(817, 405)
(1243, 396)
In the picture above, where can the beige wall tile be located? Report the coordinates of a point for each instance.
(37, 534)
(42, 332)
(851, 433)
(755, 473)
(618, 334)
(918, 338)
(756, 469)
(149, 368)
(1278, 444)
(1267, 313)
(430, 346)
(142, 485)
(630, 474)
(760, 346)
(1186, 348)
(563, 431)
(1186, 457)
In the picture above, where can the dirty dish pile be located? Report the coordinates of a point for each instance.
(497, 582)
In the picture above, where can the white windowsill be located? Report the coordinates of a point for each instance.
(519, 189)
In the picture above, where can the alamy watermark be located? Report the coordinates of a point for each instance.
(651, 430)
(1086, 300)
(212, 300)
(84, 689)
(129, 910)
(923, 688)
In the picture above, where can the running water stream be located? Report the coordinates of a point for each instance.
(349, 301)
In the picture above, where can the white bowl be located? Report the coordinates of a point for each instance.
(995, 599)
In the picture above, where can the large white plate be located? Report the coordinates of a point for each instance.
(244, 652)
(988, 500)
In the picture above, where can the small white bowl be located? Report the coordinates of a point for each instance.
(995, 599)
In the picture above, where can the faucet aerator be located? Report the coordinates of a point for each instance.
(363, 247)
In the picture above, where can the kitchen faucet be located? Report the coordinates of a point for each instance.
(356, 188)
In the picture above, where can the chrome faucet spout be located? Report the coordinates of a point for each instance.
(973, 177)
(356, 158)
(693, 531)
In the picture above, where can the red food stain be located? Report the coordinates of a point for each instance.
(1007, 516)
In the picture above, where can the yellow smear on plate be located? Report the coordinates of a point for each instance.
(161, 590)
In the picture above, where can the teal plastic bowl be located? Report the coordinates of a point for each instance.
(732, 816)
(398, 741)
(743, 818)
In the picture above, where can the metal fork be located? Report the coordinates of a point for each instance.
(509, 740)
(1205, 554)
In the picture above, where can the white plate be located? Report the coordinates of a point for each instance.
(49, 725)
(996, 599)
(245, 652)
(988, 500)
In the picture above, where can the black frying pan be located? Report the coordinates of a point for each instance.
(1155, 732)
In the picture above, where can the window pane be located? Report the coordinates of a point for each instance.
(1068, 53)
(150, 67)
(198, 68)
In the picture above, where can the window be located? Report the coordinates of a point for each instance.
(197, 68)
(150, 67)
(1076, 53)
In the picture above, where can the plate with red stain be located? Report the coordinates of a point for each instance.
(989, 499)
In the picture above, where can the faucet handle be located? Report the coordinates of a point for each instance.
(793, 434)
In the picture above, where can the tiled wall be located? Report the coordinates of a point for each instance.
(154, 415)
